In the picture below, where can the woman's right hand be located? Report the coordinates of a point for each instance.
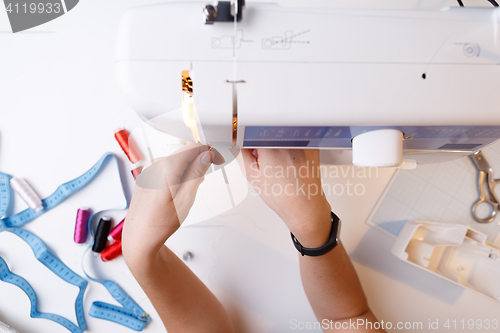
(289, 181)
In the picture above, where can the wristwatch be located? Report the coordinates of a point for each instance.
(333, 240)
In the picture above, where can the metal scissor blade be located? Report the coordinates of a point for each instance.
(480, 162)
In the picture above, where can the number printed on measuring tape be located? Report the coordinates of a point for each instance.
(130, 315)
(4, 194)
(7, 276)
(62, 192)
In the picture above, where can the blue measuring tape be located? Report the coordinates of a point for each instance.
(4, 194)
(56, 266)
(130, 315)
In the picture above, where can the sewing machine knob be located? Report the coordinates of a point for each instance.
(224, 11)
(379, 148)
(471, 50)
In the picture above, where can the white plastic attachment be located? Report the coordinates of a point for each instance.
(24, 190)
(4, 328)
(453, 252)
(408, 165)
(380, 148)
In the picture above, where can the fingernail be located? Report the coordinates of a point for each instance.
(206, 159)
(217, 158)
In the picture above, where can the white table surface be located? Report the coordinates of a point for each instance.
(59, 106)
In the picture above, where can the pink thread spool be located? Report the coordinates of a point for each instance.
(116, 233)
(82, 218)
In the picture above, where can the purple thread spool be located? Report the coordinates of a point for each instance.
(82, 218)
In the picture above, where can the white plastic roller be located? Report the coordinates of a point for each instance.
(380, 148)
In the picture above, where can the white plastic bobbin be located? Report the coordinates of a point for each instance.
(24, 190)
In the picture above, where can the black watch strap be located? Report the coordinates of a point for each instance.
(333, 240)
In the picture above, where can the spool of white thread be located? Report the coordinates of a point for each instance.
(6, 329)
(24, 190)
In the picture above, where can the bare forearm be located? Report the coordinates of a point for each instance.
(331, 283)
(182, 301)
(163, 196)
(332, 286)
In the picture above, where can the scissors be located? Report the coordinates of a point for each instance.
(486, 186)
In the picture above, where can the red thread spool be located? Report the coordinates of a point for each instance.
(136, 171)
(113, 251)
(128, 145)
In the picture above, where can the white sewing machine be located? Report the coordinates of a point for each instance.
(369, 86)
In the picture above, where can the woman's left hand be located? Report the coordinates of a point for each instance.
(163, 195)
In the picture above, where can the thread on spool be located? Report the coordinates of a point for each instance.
(101, 234)
(113, 251)
(128, 145)
(24, 190)
(82, 218)
(136, 171)
(116, 233)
